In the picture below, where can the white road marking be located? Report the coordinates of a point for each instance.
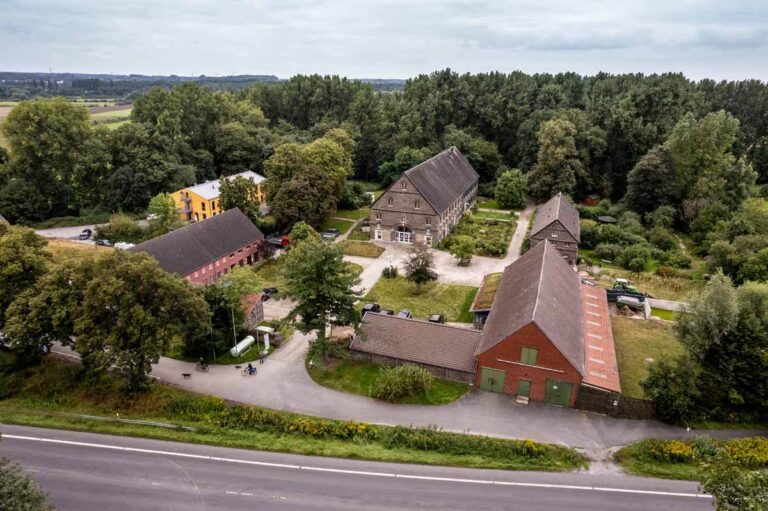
(353, 472)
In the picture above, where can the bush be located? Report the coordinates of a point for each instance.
(663, 216)
(679, 260)
(634, 257)
(662, 238)
(608, 251)
(395, 383)
(590, 233)
(510, 189)
(121, 228)
(389, 272)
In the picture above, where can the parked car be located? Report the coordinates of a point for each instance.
(330, 234)
(436, 318)
(405, 313)
(268, 293)
(370, 307)
(279, 241)
(85, 234)
(124, 245)
(388, 312)
(103, 242)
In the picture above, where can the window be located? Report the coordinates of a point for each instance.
(232, 255)
(402, 218)
(231, 266)
(417, 205)
(204, 217)
(389, 201)
(429, 221)
(240, 251)
(378, 215)
(428, 240)
(203, 205)
(554, 235)
(378, 234)
(403, 185)
(528, 356)
(210, 266)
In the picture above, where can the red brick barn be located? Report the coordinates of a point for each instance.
(533, 342)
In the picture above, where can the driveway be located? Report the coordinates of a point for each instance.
(282, 383)
(448, 269)
(66, 233)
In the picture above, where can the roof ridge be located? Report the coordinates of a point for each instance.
(538, 287)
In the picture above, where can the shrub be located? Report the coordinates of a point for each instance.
(389, 272)
(669, 451)
(679, 260)
(608, 251)
(121, 228)
(662, 238)
(748, 452)
(609, 233)
(395, 383)
(634, 257)
(590, 233)
(663, 216)
(510, 189)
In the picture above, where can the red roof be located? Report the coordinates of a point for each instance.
(600, 366)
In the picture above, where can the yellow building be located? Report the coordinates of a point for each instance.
(202, 201)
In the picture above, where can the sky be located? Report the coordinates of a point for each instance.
(724, 39)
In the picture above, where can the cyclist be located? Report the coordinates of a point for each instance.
(251, 369)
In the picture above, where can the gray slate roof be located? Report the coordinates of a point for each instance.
(557, 208)
(415, 340)
(443, 178)
(185, 250)
(540, 287)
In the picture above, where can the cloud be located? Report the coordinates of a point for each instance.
(385, 38)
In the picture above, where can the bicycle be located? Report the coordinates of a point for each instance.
(246, 372)
(201, 366)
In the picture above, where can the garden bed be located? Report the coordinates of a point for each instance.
(358, 377)
(637, 341)
(492, 237)
(450, 300)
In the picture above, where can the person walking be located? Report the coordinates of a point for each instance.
(262, 356)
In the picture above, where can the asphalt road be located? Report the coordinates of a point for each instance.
(84, 472)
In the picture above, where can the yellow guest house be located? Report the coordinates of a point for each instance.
(201, 201)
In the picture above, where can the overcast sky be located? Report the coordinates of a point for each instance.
(385, 39)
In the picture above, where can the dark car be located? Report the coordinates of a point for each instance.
(370, 307)
(103, 242)
(388, 312)
(405, 313)
(268, 293)
(330, 234)
(85, 234)
(436, 318)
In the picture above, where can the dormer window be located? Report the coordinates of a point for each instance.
(417, 204)
(389, 201)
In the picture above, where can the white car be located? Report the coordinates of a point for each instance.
(123, 245)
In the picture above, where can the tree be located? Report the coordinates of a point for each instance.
(510, 189)
(462, 248)
(708, 316)
(420, 265)
(164, 215)
(301, 232)
(321, 284)
(120, 308)
(240, 193)
(652, 183)
(482, 155)
(23, 260)
(121, 228)
(734, 488)
(404, 159)
(18, 491)
(671, 385)
(22, 202)
(558, 161)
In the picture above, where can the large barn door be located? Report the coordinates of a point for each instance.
(558, 393)
(492, 379)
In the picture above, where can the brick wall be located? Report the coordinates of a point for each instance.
(214, 270)
(563, 240)
(550, 363)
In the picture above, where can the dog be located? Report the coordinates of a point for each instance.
(186, 375)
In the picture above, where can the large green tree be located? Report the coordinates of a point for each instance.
(558, 161)
(511, 188)
(240, 193)
(321, 284)
(652, 183)
(23, 260)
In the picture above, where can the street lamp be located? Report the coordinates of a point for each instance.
(231, 310)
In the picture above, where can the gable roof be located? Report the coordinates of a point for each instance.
(442, 178)
(557, 208)
(185, 250)
(541, 288)
(210, 189)
(601, 368)
(416, 340)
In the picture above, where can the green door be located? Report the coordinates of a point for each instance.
(492, 379)
(524, 388)
(558, 393)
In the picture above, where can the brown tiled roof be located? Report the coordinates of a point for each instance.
(443, 178)
(185, 250)
(600, 366)
(415, 340)
(557, 208)
(541, 288)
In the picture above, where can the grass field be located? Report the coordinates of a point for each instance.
(450, 300)
(357, 377)
(59, 387)
(638, 341)
(63, 250)
(337, 223)
(353, 214)
(361, 248)
(485, 202)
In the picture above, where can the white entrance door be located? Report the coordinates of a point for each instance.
(403, 237)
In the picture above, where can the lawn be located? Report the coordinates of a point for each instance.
(492, 236)
(496, 215)
(63, 250)
(57, 387)
(353, 214)
(271, 273)
(361, 248)
(450, 300)
(486, 203)
(358, 377)
(487, 291)
(637, 342)
(337, 223)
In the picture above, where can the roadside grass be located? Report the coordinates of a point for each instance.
(60, 387)
(637, 340)
(361, 248)
(663, 314)
(358, 377)
(63, 250)
(337, 223)
(450, 300)
(682, 459)
(353, 214)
